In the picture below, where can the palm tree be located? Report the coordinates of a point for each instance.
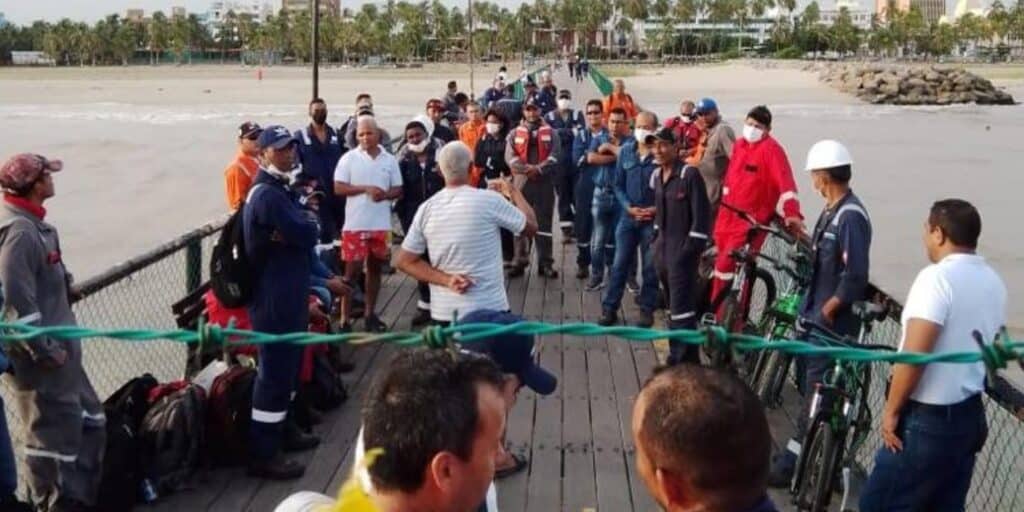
(159, 32)
(122, 45)
(300, 34)
(227, 34)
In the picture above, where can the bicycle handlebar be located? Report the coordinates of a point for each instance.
(806, 324)
(749, 219)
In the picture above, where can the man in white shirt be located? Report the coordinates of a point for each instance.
(933, 424)
(370, 179)
(459, 228)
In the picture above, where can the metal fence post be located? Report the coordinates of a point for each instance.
(193, 264)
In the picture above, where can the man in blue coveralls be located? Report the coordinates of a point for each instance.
(566, 121)
(841, 242)
(319, 149)
(279, 238)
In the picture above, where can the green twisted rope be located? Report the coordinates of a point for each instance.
(994, 355)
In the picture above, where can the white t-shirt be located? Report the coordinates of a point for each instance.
(962, 293)
(458, 228)
(358, 168)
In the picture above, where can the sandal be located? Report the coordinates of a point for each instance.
(519, 465)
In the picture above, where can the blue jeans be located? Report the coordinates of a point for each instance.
(933, 471)
(605, 211)
(584, 222)
(629, 235)
(8, 466)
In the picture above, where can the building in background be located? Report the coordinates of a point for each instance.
(326, 6)
(135, 15)
(860, 16)
(215, 14)
(179, 12)
(3, 20)
(933, 10)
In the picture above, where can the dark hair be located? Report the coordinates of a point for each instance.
(461, 98)
(415, 124)
(761, 114)
(597, 103)
(958, 220)
(452, 84)
(618, 111)
(363, 96)
(840, 174)
(424, 403)
(686, 402)
(317, 100)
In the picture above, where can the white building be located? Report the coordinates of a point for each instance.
(259, 11)
(860, 16)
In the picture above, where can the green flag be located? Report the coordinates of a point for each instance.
(601, 81)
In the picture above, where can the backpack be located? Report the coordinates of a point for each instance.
(123, 464)
(326, 390)
(231, 272)
(228, 415)
(172, 435)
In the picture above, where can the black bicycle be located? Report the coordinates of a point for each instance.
(840, 418)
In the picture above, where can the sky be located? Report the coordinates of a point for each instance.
(25, 12)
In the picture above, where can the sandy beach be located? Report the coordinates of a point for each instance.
(144, 148)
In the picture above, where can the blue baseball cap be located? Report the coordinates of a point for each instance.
(513, 353)
(276, 137)
(705, 105)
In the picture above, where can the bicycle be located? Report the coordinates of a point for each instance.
(840, 419)
(770, 367)
(735, 300)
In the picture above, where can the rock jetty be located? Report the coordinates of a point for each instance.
(904, 85)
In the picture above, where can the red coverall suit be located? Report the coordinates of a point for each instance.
(760, 182)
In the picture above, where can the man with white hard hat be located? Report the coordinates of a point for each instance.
(841, 242)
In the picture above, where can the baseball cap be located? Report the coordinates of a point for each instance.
(249, 130)
(705, 105)
(24, 169)
(276, 137)
(531, 102)
(434, 103)
(564, 94)
(513, 353)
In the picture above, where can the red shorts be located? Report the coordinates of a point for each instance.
(358, 245)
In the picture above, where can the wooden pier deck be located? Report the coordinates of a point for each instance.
(578, 439)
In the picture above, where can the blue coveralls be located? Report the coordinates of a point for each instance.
(319, 160)
(545, 101)
(683, 219)
(633, 189)
(565, 180)
(605, 211)
(279, 238)
(583, 195)
(842, 243)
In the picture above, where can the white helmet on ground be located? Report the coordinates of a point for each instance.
(827, 154)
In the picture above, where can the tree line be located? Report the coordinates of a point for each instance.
(430, 31)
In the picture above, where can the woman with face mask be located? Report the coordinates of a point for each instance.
(421, 179)
(489, 156)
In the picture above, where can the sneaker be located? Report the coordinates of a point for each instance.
(295, 440)
(780, 474)
(646, 319)
(374, 324)
(547, 272)
(595, 283)
(632, 286)
(608, 318)
(422, 318)
(277, 468)
(582, 272)
(517, 270)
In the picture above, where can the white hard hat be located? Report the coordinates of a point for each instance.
(827, 154)
(305, 501)
(427, 123)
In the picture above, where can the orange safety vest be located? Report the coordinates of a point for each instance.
(521, 143)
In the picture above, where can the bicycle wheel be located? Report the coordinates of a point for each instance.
(760, 294)
(821, 463)
(768, 386)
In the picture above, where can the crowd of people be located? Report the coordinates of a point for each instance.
(474, 187)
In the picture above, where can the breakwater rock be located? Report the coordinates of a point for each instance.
(905, 85)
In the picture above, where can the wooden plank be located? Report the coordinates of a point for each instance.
(578, 488)
(339, 434)
(610, 454)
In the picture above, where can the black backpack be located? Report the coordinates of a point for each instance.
(326, 391)
(231, 272)
(229, 413)
(123, 463)
(172, 436)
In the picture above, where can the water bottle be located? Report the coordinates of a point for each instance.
(148, 491)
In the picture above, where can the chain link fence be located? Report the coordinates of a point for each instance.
(135, 294)
(997, 484)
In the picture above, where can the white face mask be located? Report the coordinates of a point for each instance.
(752, 133)
(493, 128)
(564, 104)
(641, 135)
(418, 148)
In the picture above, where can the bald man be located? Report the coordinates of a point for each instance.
(370, 179)
(683, 468)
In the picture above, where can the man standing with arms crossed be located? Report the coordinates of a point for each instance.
(533, 152)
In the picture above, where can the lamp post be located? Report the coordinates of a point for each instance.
(472, 87)
(316, 48)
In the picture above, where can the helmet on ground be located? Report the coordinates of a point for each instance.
(827, 154)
